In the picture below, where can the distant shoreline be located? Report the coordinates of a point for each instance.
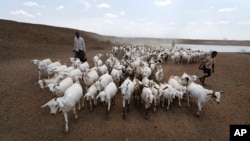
(215, 42)
(163, 41)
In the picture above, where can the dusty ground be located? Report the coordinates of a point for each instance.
(22, 118)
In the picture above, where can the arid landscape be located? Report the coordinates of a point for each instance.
(23, 119)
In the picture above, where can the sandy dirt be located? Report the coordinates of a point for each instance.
(23, 119)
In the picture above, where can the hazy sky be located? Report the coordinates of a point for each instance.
(196, 19)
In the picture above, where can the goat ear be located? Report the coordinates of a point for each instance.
(60, 103)
(156, 88)
(165, 87)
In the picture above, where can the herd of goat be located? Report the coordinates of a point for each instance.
(137, 75)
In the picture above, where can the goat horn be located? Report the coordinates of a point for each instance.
(44, 105)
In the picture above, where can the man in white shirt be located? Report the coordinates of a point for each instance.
(79, 47)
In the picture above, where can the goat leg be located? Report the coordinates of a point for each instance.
(123, 112)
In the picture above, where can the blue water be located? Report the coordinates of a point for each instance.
(216, 48)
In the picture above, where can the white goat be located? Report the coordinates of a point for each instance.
(66, 70)
(201, 94)
(61, 87)
(109, 62)
(116, 76)
(159, 73)
(147, 82)
(175, 84)
(75, 74)
(76, 63)
(146, 71)
(66, 103)
(121, 69)
(127, 89)
(176, 57)
(97, 60)
(168, 92)
(152, 63)
(41, 65)
(82, 66)
(91, 96)
(156, 92)
(59, 69)
(108, 93)
(114, 50)
(51, 67)
(102, 69)
(148, 98)
(135, 63)
(73, 61)
(90, 78)
(43, 83)
(103, 81)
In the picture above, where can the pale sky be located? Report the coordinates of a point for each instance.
(192, 19)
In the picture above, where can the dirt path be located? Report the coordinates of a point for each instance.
(23, 119)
